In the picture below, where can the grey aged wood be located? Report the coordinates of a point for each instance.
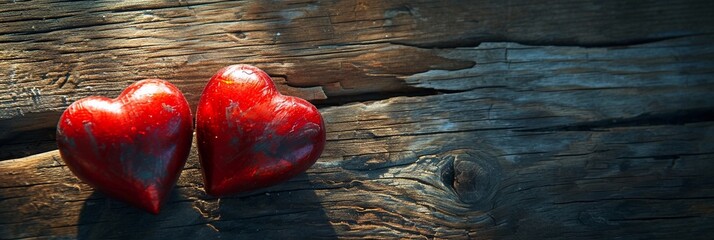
(460, 119)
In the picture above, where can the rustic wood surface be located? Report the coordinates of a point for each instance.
(446, 119)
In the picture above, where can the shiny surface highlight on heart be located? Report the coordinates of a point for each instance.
(250, 136)
(131, 148)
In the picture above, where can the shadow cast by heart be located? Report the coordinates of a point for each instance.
(286, 211)
(289, 210)
(105, 218)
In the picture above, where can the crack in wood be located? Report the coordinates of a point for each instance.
(678, 117)
(476, 42)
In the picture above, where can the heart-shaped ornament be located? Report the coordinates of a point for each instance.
(131, 148)
(250, 136)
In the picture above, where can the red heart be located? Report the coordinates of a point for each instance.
(131, 148)
(250, 136)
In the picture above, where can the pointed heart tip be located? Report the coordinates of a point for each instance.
(153, 203)
(218, 191)
(153, 209)
(212, 191)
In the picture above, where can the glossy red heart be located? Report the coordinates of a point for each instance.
(250, 136)
(131, 148)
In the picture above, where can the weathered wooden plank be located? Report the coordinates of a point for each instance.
(684, 62)
(617, 152)
(53, 52)
(680, 70)
(513, 140)
(454, 165)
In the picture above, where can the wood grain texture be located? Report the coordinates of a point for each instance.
(53, 52)
(451, 119)
(604, 148)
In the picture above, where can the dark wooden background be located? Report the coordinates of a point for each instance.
(446, 119)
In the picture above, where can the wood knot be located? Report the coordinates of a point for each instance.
(475, 176)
